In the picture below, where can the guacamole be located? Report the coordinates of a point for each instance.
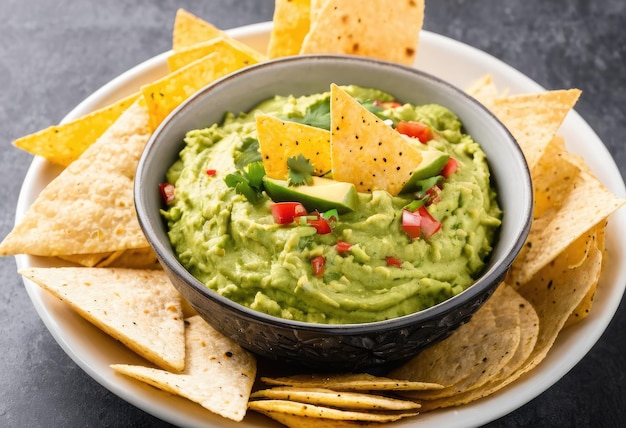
(368, 267)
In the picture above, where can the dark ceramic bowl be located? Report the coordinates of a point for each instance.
(318, 346)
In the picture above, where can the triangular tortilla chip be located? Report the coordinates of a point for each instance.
(140, 308)
(63, 144)
(484, 90)
(341, 24)
(89, 207)
(534, 119)
(280, 140)
(291, 23)
(230, 51)
(190, 29)
(218, 373)
(364, 150)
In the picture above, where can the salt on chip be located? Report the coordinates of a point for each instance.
(365, 151)
(340, 399)
(228, 50)
(140, 308)
(534, 119)
(351, 382)
(342, 26)
(279, 140)
(189, 29)
(89, 207)
(63, 144)
(218, 374)
(291, 24)
(474, 353)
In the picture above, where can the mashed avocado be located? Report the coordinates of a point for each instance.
(237, 249)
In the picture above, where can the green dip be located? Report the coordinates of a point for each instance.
(237, 249)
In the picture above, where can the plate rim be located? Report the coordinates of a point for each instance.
(470, 414)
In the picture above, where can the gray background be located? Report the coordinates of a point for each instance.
(55, 53)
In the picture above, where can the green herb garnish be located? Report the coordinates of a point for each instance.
(300, 171)
(248, 181)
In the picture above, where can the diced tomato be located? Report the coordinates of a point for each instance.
(321, 225)
(450, 168)
(318, 263)
(393, 261)
(411, 222)
(211, 172)
(286, 212)
(429, 224)
(415, 129)
(434, 195)
(387, 104)
(168, 192)
(342, 247)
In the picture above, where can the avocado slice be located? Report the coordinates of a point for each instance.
(431, 165)
(323, 195)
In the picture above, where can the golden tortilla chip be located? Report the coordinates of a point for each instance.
(364, 150)
(554, 292)
(340, 27)
(91, 260)
(290, 25)
(587, 204)
(484, 90)
(218, 373)
(279, 140)
(316, 6)
(312, 411)
(63, 144)
(534, 119)
(475, 353)
(340, 399)
(89, 207)
(351, 382)
(190, 29)
(230, 51)
(140, 308)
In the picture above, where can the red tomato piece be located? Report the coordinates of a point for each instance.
(393, 261)
(286, 212)
(321, 225)
(450, 168)
(168, 192)
(342, 247)
(429, 224)
(318, 263)
(411, 223)
(387, 104)
(211, 172)
(415, 129)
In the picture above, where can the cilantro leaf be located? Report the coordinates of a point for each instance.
(317, 115)
(249, 152)
(300, 171)
(248, 182)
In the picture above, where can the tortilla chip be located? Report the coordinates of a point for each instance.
(218, 373)
(91, 260)
(290, 25)
(340, 399)
(322, 412)
(554, 292)
(474, 353)
(279, 140)
(89, 207)
(484, 90)
(534, 119)
(315, 7)
(351, 382)
(140, 308)
(341, 24)
(63, 144)
(587, 204)
(297, 421)
(364, 150)
(230, 52)
(190, 29)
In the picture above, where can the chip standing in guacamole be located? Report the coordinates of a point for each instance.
(373, 262)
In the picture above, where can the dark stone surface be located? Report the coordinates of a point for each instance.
(54, 54)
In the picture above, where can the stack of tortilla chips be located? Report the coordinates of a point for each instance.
(86, 217)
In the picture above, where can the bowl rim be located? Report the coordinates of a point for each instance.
(166, 254)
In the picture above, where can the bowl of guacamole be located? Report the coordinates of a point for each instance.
(334, 210)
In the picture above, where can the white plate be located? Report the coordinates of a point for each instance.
(458, 63)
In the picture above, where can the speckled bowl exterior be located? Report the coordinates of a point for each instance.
(319, 346)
